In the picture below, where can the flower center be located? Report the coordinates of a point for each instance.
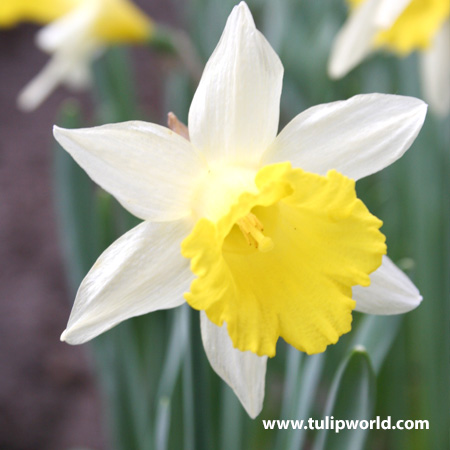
(220, 189)
(252, 229)
(326, 242)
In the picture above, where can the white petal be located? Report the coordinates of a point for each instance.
(388, 12)
(244, 372)
(390, 292)
(142, 271)
(68, 28)
(43, 84)
(148, 168)
(79, 78)
(73, 49)
(67, 61)
(354, 41)
(235, 111)
(435, 72)
(357, 137)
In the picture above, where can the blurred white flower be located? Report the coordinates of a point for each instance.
(262, 249)
(400, 26)
(79, 30)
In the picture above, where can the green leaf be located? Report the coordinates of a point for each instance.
(290, 391)
(175, 353)
(188, 394)
(232, 420)
(201, 377)
(352, 397)
(161, 40)
(162, 425)
(178, 94)
(275, 16)
(114, 87)
(377, 334)
(293, 365)
(307, 386)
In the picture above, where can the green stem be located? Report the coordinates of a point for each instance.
(175, 42)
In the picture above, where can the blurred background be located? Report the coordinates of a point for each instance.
(48, 397)
(54, 223)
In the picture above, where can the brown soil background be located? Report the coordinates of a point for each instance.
(48, 397)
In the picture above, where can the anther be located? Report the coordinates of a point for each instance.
(252, 229)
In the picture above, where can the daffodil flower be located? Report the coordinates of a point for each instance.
(263, 234)
(79, 30)
(400, 26)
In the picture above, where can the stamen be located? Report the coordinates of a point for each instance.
(252, 229)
